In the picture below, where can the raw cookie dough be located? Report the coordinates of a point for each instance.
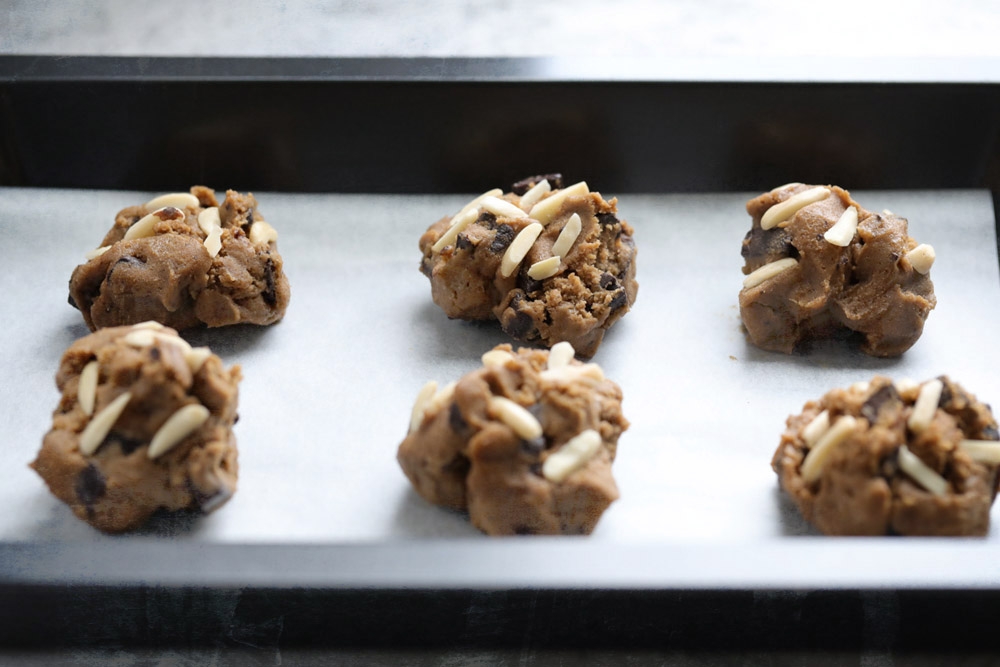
(487, 263)
(881, 458)
(525, 443)
(813, 271)
(144, 423)
(184, 260)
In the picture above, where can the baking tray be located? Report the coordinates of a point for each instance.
(412, 136)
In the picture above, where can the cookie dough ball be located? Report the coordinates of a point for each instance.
(549, 263)
(817, 262)
(145, 422)
(884, 458)
(184, 260)
(524, 444)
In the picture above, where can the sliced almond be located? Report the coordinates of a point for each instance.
(843, 231)
(816, 428)
(474, 204)
(179, 200)
(545, 211)
(572, 373)
(983, 451)
(501, 208)
(442, 396)
(567, 236)
(213, 242)
(921, 473)
(906, 385)
(209, 219)
(98, 428)
(922, 258)
(926, 406)
(817, 457)
(561, 355)
(86, 392)
(263, 233)
(149, 324)
(779, 213)
(147, 337)
(768, 271)
(522, 422)
(518, 248)
(572, 456)
(97, 252)
(496, 358)
(424, 397)
(144, 227)
(178, 426)
(196, 358)
(535, 194)
(461, 221)
(545, 268)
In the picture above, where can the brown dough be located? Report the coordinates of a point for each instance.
(118, 486)
(868, 287)
(172, 279)
(594, 288)
(463, 455)
(861, 489)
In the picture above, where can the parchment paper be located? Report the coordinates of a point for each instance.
(327, 392)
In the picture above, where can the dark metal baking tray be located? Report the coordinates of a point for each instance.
(452, 126)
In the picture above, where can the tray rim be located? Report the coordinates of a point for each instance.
(979, 71)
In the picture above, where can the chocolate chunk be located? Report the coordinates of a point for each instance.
(607, 219)
(524, 530)
(73, 303)
(887, 395)
(90, 485)
(527, 283)
(127, 259)
(761, 243)
(269, 295)
(525, 184)
(608, 282)
(426, 266)
(521, 326)
(487, 219)
(249, 222)
(458, 466)
(890, 465)
(533, 447)
(463, 242)
(503, 238)
(620, 300)
(127, 445)
(154, 353)
(456, 421)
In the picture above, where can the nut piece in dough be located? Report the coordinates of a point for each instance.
(149, 389)
(493, 262)
(523, 448)
(184, 260)
(847, 270)
(871, 473)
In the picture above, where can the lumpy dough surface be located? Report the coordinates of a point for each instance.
(870, 287)
(594, 287)
(170, 276)
(463, 453)
(863, 488)
(118, 486)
